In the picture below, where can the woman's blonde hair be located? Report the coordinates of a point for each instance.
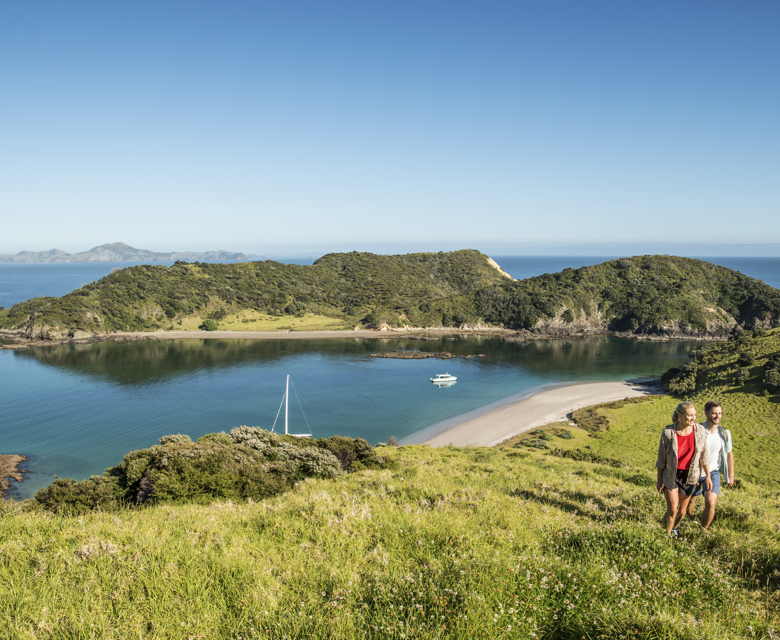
(681, 410)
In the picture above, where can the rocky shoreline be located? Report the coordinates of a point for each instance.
(421, 355)
(9, 468)
(23, 340)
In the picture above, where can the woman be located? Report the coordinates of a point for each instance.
(682, 460)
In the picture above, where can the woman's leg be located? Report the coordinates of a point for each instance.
(684, 500)
(672, 505)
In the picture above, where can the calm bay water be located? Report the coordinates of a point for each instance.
(77, 409)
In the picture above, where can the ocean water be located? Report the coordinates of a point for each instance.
(77, 409)
(19, 282)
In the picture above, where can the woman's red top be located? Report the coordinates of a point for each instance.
(685, 448)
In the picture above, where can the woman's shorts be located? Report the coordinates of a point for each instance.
(702, 488)
(685, 489)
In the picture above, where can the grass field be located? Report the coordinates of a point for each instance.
(255, 321)
(453, 543)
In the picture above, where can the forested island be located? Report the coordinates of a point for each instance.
(645, 296)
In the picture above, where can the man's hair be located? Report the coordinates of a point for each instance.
(711, 405)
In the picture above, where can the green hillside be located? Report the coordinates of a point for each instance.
(648, 295)
(642, 295)
(417, 288)
(447, 543)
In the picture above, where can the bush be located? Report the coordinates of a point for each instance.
(69, 497)
(771, 379)
(246, 463)
(566, 435)
(568, 316)
(742, 375)
(209, 325)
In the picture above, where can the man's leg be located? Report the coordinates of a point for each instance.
(710, 499)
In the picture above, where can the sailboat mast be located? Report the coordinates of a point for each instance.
(286, 403)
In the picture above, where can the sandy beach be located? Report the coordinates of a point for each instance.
(495, 426)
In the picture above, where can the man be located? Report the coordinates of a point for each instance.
(721, 462)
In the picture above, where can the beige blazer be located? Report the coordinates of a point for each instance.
(667, 455)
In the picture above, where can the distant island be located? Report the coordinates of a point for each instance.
(121, 252)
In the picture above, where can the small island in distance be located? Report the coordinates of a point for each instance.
(121, 252)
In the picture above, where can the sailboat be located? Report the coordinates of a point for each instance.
(286, 403)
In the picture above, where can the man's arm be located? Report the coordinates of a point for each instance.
(730, 458)
(707, 478)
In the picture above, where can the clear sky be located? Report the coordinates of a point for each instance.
(309, 126)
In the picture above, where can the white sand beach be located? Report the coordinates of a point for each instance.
(551, 405)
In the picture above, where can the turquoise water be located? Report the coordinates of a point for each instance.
(77, 409)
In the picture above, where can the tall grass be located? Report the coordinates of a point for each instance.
(452, 543)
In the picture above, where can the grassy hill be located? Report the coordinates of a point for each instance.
(750, 394)
(642, 295)
(648, 295)
(418, 289)
(448, 543)
(561, 540)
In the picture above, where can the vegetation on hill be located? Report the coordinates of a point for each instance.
(448, 543)
(247, 463)
(419, 289)
(645, 295)
(642, 295)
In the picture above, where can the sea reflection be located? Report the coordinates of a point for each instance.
(155, 361)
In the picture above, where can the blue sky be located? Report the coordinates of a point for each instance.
(306, 127)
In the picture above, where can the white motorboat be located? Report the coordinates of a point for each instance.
(443, 378)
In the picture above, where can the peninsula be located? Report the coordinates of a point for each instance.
(644, 297)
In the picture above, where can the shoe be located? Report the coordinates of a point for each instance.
(675, 533)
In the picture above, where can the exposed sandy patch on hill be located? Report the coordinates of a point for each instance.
(498, 268)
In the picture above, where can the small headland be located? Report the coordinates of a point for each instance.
(9, 469)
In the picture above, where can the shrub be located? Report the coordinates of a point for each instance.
(771, 379)
(246, 463)
(742, 375)
(69, 497)
(177, 438)
(568, 316)
(209, 325)
(392, 441)
(566, 435)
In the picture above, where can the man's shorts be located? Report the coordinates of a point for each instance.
(702, 488)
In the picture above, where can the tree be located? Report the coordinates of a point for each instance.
(209, 325)
(772, 379)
